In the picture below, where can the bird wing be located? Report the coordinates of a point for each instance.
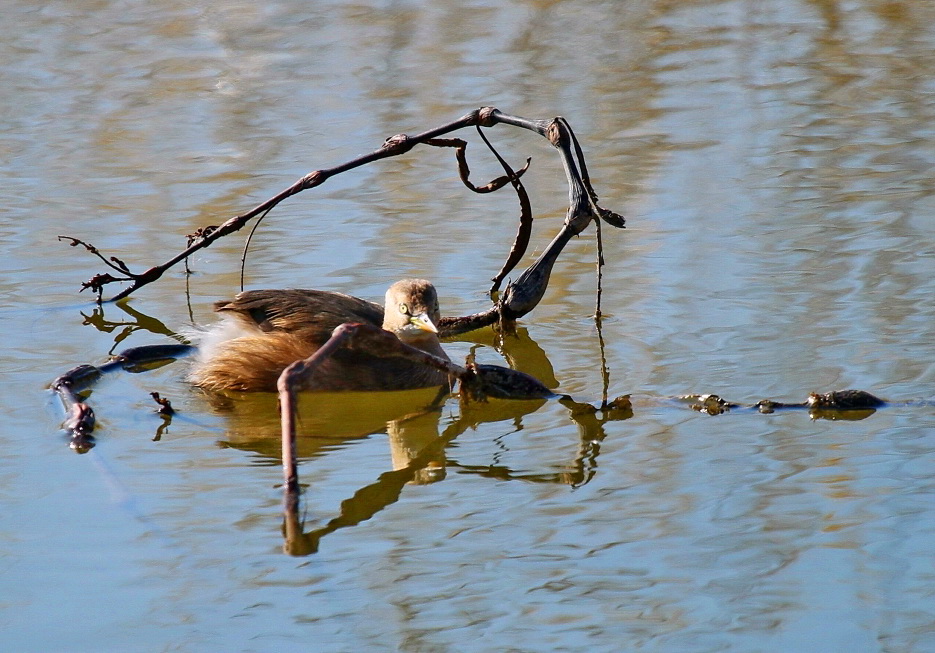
(314, 313)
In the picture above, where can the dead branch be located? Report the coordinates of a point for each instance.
(80, 422)
(525, 220)
(524, 231)
(583, 208)
(464, 171)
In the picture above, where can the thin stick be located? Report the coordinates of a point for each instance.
(605, 372)
(600, 273)
(246, 246)
(524, 231)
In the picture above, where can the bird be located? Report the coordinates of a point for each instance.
(261, 332)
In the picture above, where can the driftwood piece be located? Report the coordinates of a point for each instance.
(79, 424)
(80, 420)
(519, 298)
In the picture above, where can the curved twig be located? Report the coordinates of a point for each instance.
(524, 231)
(246, 246)
(464, 171)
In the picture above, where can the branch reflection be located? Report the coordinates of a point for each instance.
(125, 328)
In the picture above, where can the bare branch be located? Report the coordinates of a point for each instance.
(582, 199)
(477, 382)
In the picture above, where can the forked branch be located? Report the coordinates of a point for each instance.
(582, 209)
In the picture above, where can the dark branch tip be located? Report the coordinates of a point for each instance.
(613, 219)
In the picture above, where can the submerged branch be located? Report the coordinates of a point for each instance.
(77, 382)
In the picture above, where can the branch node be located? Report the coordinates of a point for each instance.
(487, 116)
(398, 144)
(556, 134)
(312, 179)
(201, 233)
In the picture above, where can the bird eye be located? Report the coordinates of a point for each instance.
(404, 309)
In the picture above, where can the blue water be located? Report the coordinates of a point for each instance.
(774, 163)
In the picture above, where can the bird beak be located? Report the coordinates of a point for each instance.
(424, 322)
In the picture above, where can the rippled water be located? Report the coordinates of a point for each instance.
(775, 164)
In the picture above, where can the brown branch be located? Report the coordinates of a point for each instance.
(524, 294)
(582, 198)
(524, 231)
(80, 421)
(292, 379)
(464, 171)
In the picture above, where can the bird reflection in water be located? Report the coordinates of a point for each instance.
(418, 444)
(412, 421)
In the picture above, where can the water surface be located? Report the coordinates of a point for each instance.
(775, 164)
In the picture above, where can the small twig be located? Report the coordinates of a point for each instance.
(246, 246)
(188, 294)
(165, 406)
(524, 231)
(113, 262)
(600, 272)
(165, 411)
(98, 281)
(605, 372)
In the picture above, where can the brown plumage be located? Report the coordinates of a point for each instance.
(264, 331)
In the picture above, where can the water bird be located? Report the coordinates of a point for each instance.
(264, 331)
